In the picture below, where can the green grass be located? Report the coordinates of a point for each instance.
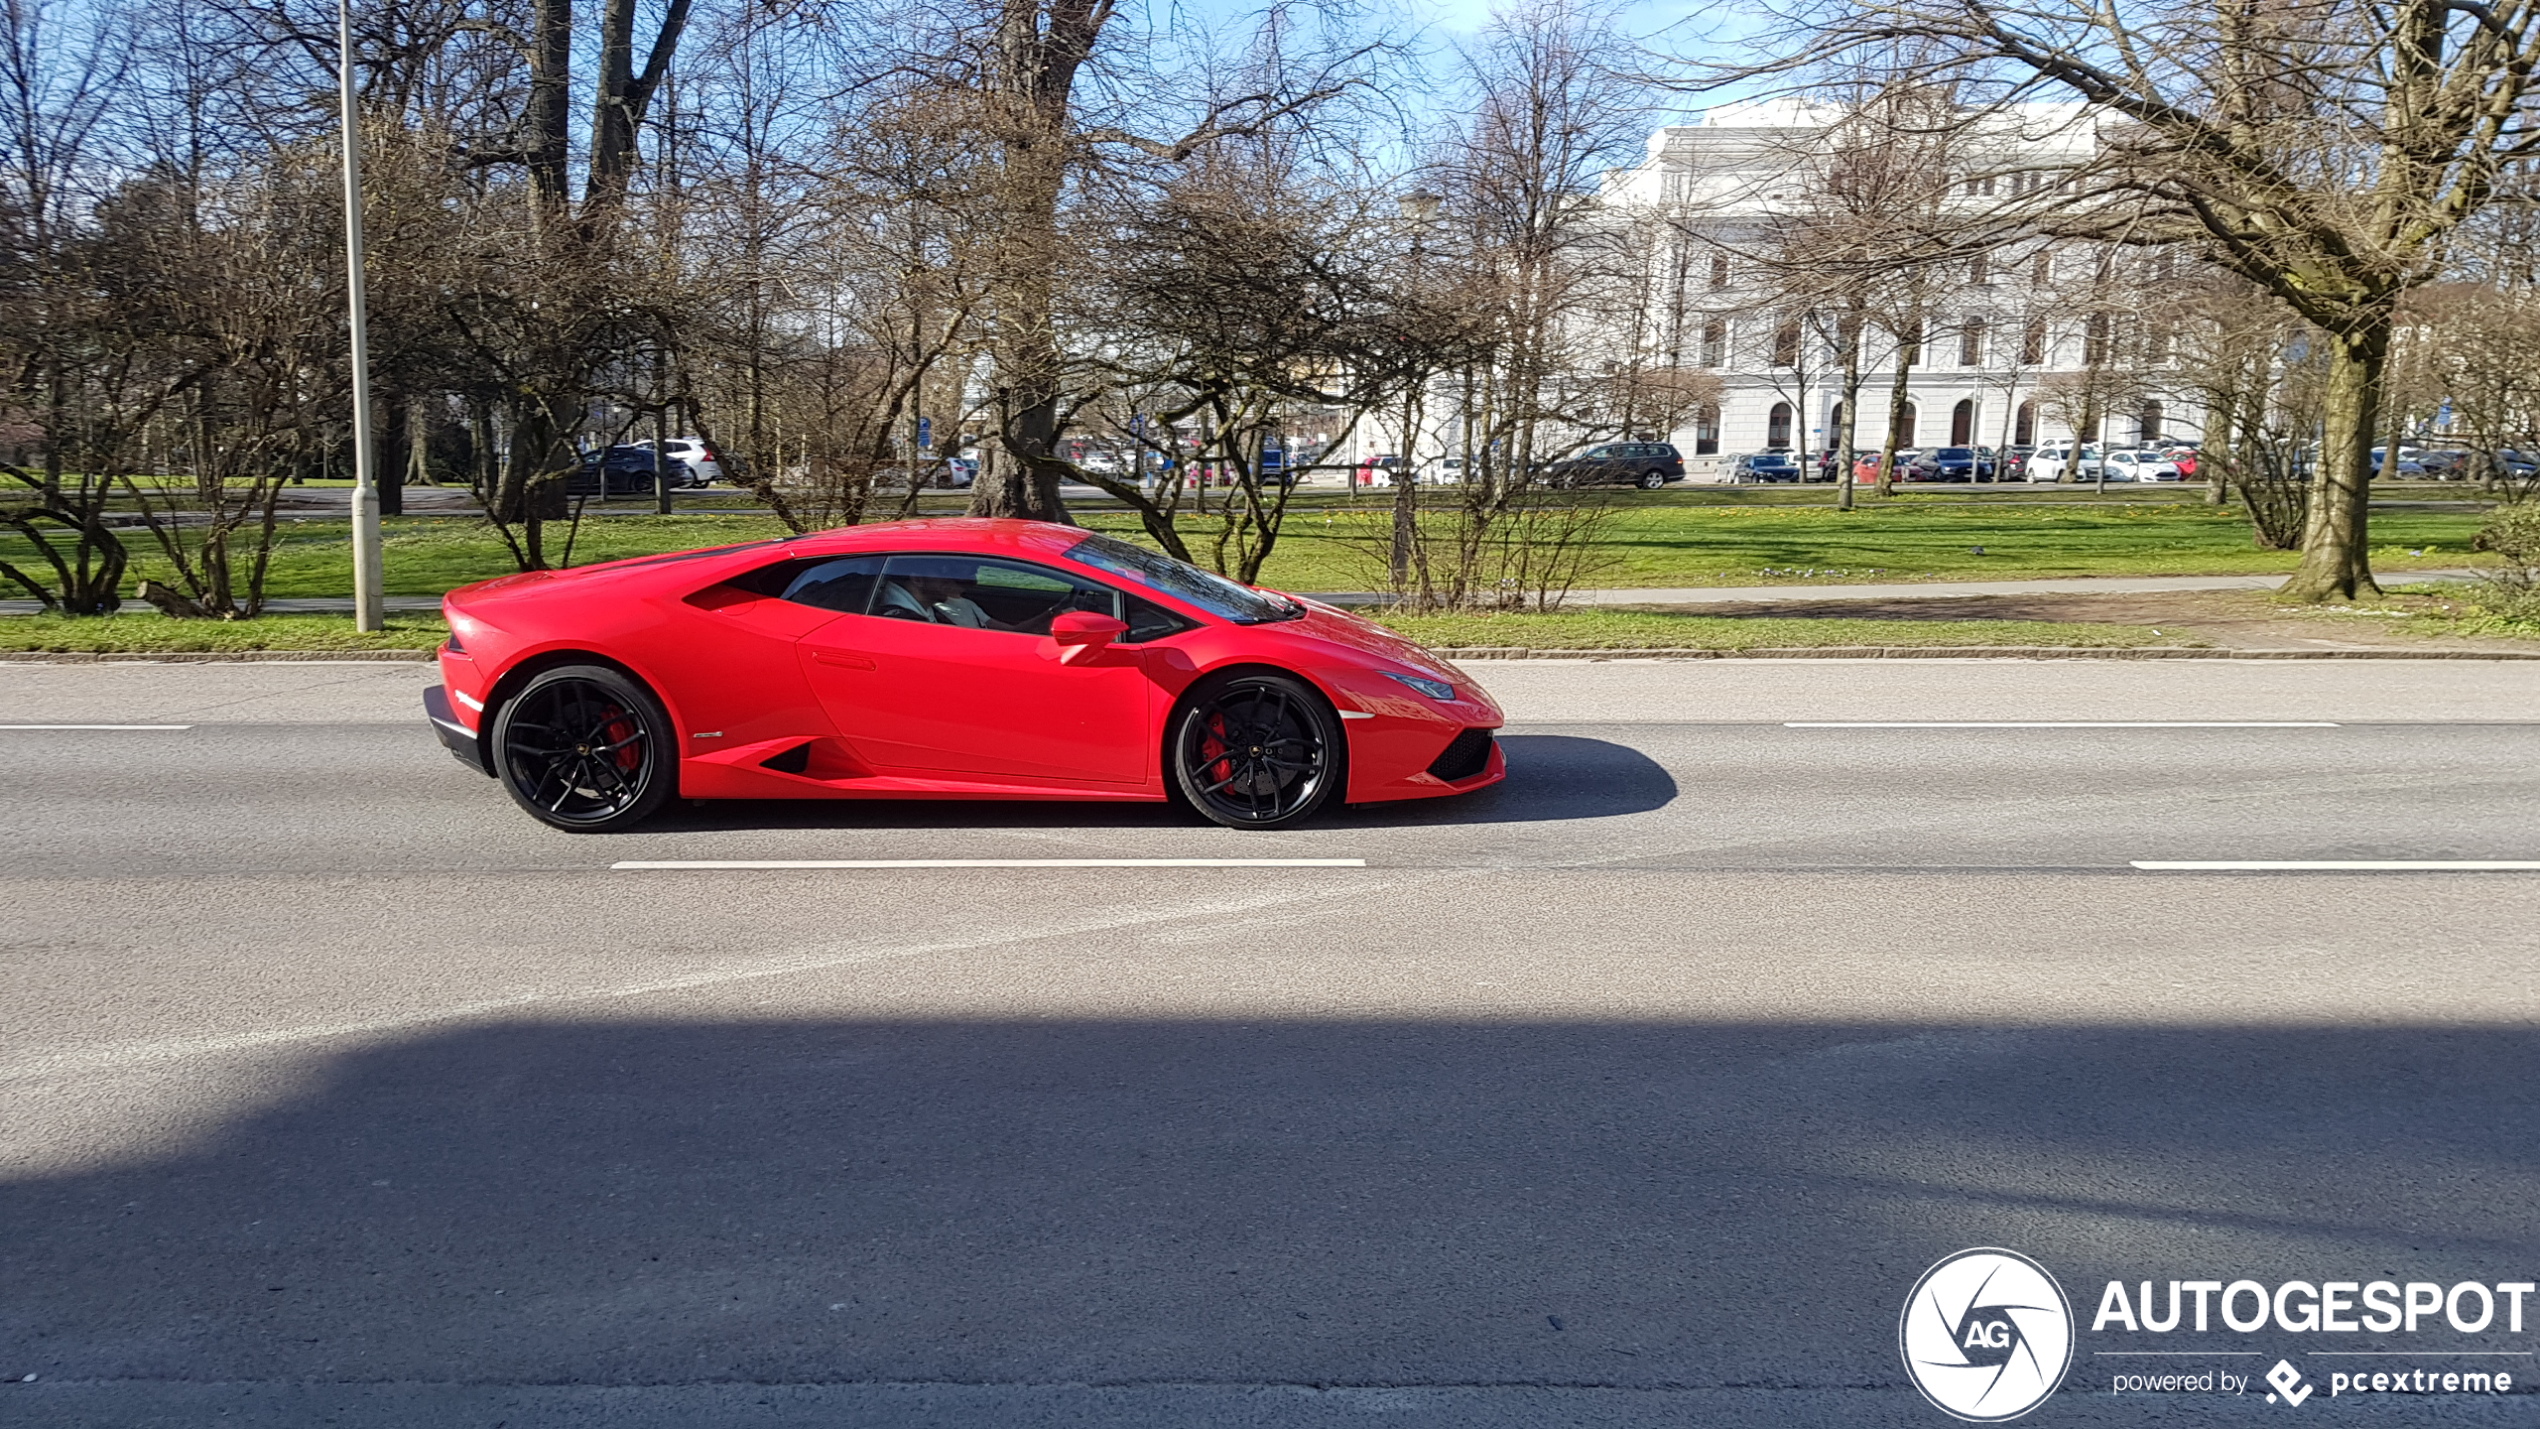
(1910, 539)
(1710, 537)
(1639, 630)
(152, 633)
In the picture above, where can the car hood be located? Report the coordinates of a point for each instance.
(1361, 636)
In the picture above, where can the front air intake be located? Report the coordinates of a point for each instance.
(1466, 755)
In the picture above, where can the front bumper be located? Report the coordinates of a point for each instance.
(455, 737)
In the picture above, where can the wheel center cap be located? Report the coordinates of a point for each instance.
(582, 749)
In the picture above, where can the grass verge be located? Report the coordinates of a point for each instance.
(150, 633)
(1645, 630)
(1661, 539)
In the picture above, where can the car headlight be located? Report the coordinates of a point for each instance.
(1434, 689)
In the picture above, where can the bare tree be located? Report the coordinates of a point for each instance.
(2324, 153)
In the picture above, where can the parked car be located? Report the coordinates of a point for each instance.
(1765, 466)
(2058, 463)
(2444, 463)
(618, 471)
(2140, 466)
(1647, 465)
(691, 458)
(1442, 471)
(1951, 464)
(1376, 470)
(2012, 464)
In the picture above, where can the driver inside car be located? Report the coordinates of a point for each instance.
(943, 600)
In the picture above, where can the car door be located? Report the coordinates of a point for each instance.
(931, 682)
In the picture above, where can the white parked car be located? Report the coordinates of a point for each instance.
(2055, 462)
(2141, 466)
(703, 466)
(1442, 471)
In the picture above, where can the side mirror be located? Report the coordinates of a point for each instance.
(1079, 635)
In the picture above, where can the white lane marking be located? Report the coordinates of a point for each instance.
(96, 726)
(2342, 865)
(641, 864)
(115, 1058)
(2063, 724)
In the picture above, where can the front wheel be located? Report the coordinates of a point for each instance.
(585, 749)
(1256, 751)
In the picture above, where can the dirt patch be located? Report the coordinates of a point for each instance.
(2246, 620)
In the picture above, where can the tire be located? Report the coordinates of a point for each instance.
(585, 749)
(1223, 751)
(1652, 480)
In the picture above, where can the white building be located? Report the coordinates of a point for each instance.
(2000, 322)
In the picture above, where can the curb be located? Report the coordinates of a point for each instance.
(215, 657)
(1981, 652)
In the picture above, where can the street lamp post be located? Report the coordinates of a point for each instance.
(369, 602)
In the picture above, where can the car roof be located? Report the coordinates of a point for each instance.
(986, 535)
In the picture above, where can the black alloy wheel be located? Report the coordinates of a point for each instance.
(1652, 480)
(1256, 751)
(584, 748)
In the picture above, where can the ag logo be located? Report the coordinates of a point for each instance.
(1986, 1335)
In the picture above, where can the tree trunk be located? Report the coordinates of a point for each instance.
(1897, 392)
(1848, 430)
(2336, 552)
(547, 123)
(1019, 474)
(398, 439)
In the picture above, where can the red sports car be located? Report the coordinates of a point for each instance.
(958, 659)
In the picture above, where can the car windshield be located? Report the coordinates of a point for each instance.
(1180, 579)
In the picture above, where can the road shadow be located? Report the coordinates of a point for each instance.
(1387, 1203)
(1550, 777)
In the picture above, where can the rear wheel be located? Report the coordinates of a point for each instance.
(1256, 751)
(1652, 480)
(585, 749)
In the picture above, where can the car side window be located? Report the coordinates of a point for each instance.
(979, 593)
(1148, 621)
(839, 583)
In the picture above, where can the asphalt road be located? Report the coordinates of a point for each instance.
(1638, 1091)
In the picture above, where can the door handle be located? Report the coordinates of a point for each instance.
(843, 660)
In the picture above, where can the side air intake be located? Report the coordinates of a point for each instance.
(1467, 755)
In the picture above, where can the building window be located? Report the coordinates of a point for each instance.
(1719, 270)
(1971, 343)
(2042, 268)
(1706, 431)
(1777, 428)
(1980, 187)
(2033, 342)
(1715, 342)
(1962, 423)
(2094, 341)
(1904, 430)
(2024, 425)
(2148, 425)
(1786, 344)
(1980, 269)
